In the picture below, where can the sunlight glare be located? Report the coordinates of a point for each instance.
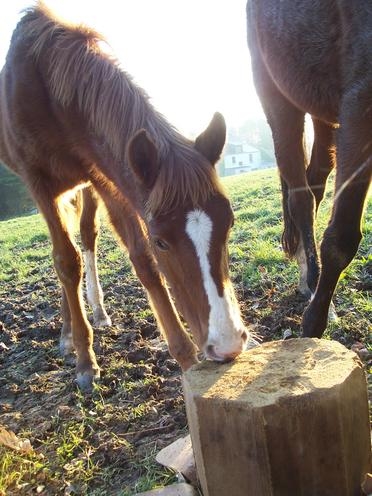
(192, 59)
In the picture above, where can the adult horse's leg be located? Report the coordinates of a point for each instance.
(323, 158)
(68, 264)
(287, 125)
(89, 229)
(131, 231)
(342, 236)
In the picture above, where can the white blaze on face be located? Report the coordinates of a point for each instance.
(224, 325)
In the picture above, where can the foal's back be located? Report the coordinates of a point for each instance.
(37, 139)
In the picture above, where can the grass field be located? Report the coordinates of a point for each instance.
(105, 443)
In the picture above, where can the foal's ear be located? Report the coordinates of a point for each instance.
(211, 142)
(143, 158)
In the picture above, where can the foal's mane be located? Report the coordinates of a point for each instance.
(81, 73)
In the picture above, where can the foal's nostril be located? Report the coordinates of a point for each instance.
(210, 349)
(244, 336)
(211, 352)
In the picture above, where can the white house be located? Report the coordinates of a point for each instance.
(241, 157)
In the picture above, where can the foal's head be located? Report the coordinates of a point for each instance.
(189, 219)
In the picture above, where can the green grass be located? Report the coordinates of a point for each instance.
(24, 244)
(263, 277)
(152, 472)
(255, 247)
(255, 240)
(15, 469)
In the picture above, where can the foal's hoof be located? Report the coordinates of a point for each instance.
(86, 380)
(100, 318)
(65, 346)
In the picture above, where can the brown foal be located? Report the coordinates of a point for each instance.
(70, 117)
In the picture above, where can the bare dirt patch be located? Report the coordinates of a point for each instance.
(105, 443)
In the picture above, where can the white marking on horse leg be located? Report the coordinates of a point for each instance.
(332, 313)
(302, 266)
(66, 345)
(94, 291)
(225, 326)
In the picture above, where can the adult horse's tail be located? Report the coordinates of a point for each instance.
(291, 235)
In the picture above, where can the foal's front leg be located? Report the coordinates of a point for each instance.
(179, 343)
(66, 345)
(131, 232)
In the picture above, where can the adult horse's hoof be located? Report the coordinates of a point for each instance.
(304, 289)
(86, 380)
(313, 325)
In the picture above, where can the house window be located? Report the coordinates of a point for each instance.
(240, 163)
(233, 160)
(250, 157)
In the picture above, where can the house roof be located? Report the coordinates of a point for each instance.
(246, 148)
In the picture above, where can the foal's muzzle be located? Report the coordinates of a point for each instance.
(219, 354)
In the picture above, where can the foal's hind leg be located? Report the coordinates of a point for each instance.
(89, 228)
(68, 264)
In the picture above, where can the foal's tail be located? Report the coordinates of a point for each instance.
(291, 235)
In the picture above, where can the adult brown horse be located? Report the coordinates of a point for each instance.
(71, 117)
(313, 56)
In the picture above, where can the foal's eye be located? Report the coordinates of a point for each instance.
(162, 245)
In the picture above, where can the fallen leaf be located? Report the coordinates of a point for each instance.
(10, 440)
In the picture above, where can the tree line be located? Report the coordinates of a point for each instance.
(14, 197)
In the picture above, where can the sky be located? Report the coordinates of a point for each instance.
(190, 56)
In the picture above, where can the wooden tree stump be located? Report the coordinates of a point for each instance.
(288, 418)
